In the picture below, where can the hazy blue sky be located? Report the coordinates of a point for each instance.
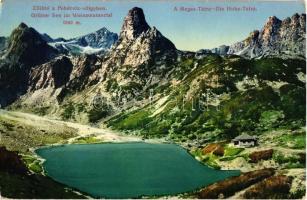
(188, 30)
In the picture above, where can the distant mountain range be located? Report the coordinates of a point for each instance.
(277, 37)
(92, 43)
(282, 38)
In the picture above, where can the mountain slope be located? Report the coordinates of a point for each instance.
(141, 57)
(221, 98)
(141, 51)
(18, 182)
(145, 68)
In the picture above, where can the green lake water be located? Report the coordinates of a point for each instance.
(127, 170)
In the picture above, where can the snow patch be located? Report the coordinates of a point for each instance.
(70, 45)
(90, 50)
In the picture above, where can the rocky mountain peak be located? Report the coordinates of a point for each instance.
(139, 43)
(270, 28)
(102, 38)
(134, 24)
(298, 20)
(253, 37)
(103, 30)
(141, 51)
(273, 20)
(295, 17)
(285, 38)
(22, 25)
(24, 42)
(254, 34)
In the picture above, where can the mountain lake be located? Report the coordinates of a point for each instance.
(128, 170)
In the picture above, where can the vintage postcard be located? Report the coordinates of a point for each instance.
(171, 99)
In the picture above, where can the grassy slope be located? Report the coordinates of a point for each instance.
(255, 109)
(270, 104)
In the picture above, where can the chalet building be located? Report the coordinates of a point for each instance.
(245, 140)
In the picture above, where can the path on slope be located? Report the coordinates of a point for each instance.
(106, 135)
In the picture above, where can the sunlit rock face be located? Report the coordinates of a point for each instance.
(283, 38)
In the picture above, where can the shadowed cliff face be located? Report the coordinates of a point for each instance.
(17, 183)
(3, 43)
(11, 162)
(52, 74)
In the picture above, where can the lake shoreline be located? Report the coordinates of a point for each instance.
(154, 148)
(106, 135)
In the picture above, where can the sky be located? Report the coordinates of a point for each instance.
(187, 30)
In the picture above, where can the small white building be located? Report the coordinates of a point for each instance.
(245, 140)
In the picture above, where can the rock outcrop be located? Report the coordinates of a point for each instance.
(215, 148)
(18, 183)
(53, 74)
(134, 25)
